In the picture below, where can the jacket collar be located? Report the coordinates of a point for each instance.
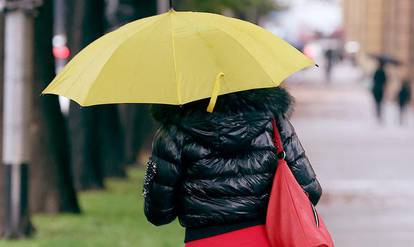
(238, 118)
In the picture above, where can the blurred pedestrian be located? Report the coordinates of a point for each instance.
(378, 88)
(329, 59)
(404, 98)
(215, 170)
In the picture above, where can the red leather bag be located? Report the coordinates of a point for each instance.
(292, 220)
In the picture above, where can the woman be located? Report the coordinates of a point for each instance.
(214, 170)
(404, 98)
(378, 88)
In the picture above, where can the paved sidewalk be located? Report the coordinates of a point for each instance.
(366, 169)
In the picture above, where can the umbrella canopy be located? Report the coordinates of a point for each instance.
(386, 59)
(176, 58)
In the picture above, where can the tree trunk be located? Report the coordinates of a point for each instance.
(1, 201)
(86, 23)
(111, 141)
(139, 128)
(51, 183)
(96, 134)
(137, 122)
(84, 138)
(2, 192)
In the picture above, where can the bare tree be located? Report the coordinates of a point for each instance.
(51, 183)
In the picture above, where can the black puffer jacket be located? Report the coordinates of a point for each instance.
(216, 169)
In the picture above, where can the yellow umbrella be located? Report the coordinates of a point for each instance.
(176, 58)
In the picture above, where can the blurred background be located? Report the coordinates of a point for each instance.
(85, 165)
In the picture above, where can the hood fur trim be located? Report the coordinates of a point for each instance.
(276, 100)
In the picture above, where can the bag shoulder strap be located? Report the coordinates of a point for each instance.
(277, 140)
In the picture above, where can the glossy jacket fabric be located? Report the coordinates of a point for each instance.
(213, 169)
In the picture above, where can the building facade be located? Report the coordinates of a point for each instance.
(382, 26)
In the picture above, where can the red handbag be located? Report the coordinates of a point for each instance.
(292, 220)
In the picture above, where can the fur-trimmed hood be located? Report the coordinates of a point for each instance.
(236, 120)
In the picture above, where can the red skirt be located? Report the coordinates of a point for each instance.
(254, 236)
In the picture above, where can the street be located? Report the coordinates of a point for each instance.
(365, 168)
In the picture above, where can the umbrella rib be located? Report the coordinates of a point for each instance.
(77, 81)
(248, 52)
(156, 21)
(240, 44)
(175, 60)
(203, 39)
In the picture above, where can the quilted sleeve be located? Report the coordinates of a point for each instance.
(298, 161)
(163, 176)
